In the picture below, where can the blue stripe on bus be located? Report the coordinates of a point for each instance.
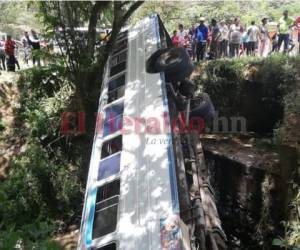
(83, 239)
(92, 203)
(172, 170)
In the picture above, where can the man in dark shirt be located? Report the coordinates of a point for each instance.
(35, 44)
(215, 40)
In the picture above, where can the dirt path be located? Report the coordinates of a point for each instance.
(10, 140)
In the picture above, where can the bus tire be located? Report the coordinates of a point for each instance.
(180, 75)
(151, 61)
(187, 88)
(205, 109)
(172, 60)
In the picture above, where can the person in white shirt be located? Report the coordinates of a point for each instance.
(253, 36)
(224, 38)
(26, 47)
(2, 55)
(181, 33)
(234, 38)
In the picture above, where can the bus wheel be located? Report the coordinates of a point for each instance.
(187, 88)
(179, 75)
(204, 108)
(150, 63)
(173, 60)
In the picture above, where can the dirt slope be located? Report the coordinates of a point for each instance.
(10, 137)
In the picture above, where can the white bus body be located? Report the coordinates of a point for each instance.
(131, 199)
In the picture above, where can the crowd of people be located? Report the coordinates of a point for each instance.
(208, 40)
(9, 48)
(232, 39)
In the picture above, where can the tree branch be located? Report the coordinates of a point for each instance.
(91, 35)
(132, 8)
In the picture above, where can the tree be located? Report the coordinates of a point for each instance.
(85, 68)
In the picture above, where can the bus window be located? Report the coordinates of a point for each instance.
(109, 166)
(122, 35)
(111, 246)
(114, 110)
(117, 68)
(120, 45)
(116, 83)
(116, 88)
(118, 59)
(112, 125)
(105, 219)
(113, 119)
(111, 146)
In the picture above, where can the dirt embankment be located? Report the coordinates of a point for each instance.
(11, 139)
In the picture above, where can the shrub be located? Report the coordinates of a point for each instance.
(43, 185)
(251, 87)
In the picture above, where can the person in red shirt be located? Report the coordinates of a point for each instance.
(175, 39)
(9, 47)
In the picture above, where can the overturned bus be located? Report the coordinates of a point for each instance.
(147, 185)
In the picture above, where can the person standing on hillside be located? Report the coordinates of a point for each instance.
(224, 39)
(10, 46)
(245, 50)
(26, 46)
(215, 39)
(2, 55)
(175, 40)
(285, 24)
(253, 37)
(181, 33)
(34, 41)
(201, 38)
(264, 38)
(192, 34)
(234, 38)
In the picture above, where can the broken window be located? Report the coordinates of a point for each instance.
(106, 213)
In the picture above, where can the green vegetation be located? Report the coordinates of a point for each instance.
(43, 193)
(266, 92)
(15, 18)
(43, 187)
(252, 87)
